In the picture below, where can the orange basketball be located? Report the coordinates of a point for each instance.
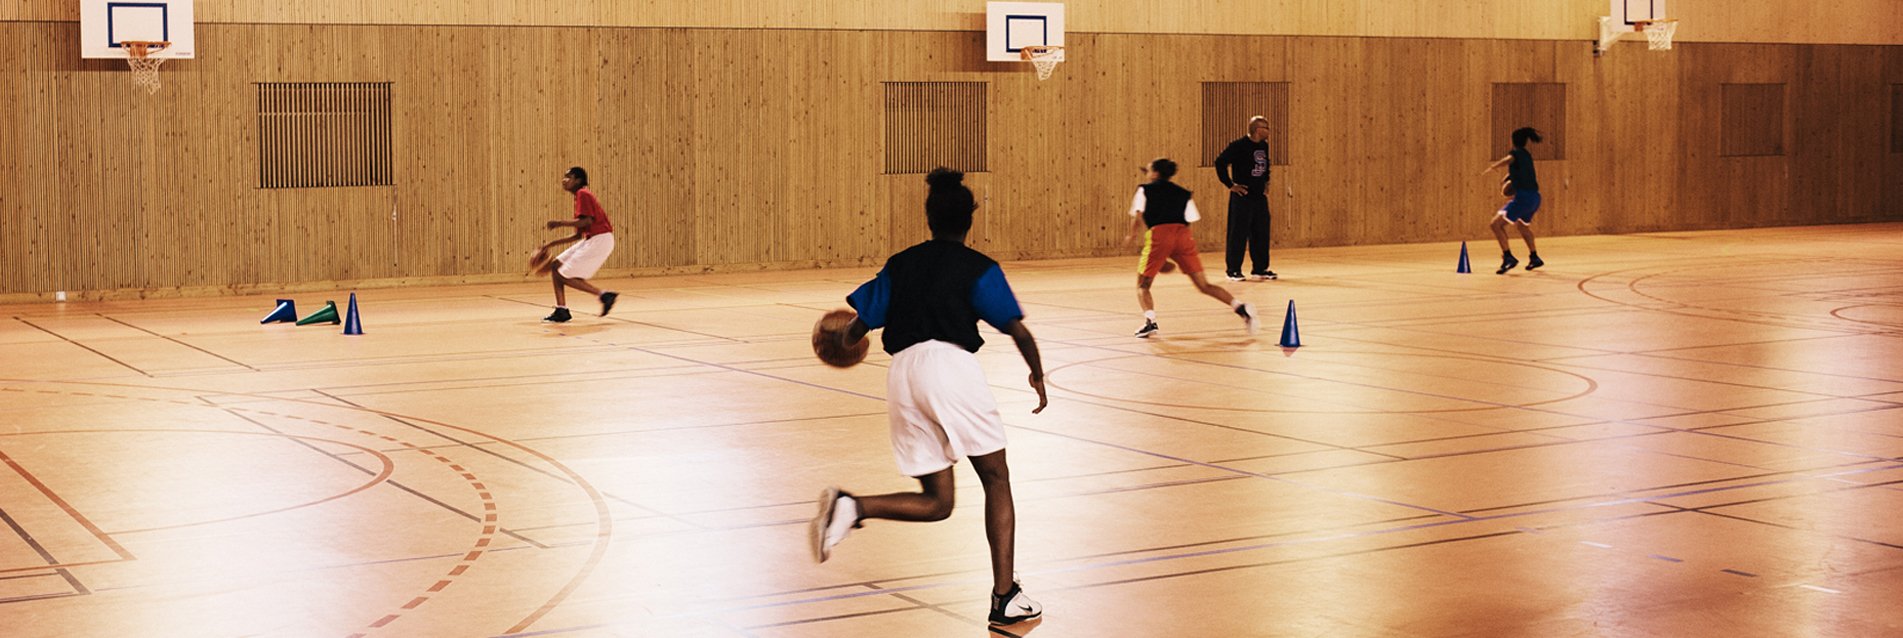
(537, 260)
(1169, 266)
(827, 336)
(1506, 187)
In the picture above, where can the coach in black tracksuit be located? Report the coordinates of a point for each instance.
(1248, 159)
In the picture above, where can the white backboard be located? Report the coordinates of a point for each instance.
(1011, 26)
(1626, 12)
(103, 24)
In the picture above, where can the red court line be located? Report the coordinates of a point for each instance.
(63, 565)
(389, 467)
(604, 521)
(68, 508)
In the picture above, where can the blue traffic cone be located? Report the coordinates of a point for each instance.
(351, 325)
(286, 313)
(1464, 268)
(1291, 338)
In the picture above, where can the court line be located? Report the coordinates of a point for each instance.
(390, 468)
(82, 346)
(459, 443)
(1591, 385)
(645, 324)
(181, 343)
(67, 507)
(52, 564)
(604, 521)
(1298, 542)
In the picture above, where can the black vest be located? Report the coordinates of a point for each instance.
(931, 295)
(1164, 203)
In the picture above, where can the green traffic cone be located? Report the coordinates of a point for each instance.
(327, 314)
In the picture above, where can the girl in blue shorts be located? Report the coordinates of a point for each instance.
(1526, 201)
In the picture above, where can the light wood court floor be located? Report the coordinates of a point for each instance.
(1672, 434)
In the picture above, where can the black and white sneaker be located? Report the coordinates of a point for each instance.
(1507, 265)
(1014, 607)
(1534, 262)
(1247, 312)
(1235, 276)
(1266, 275)
(838, 515)
(608, 301)
(1149, 328)
(559, 316)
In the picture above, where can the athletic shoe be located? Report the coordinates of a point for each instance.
(1014, 607)
(838, 515)
(1149, 328)
(559, 316)
(608, 302)
(1534, 262)
(1235, 276)
(1266, 275)
(1507, 265)
(1247, 311)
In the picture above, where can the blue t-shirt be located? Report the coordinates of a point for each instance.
(937, 290)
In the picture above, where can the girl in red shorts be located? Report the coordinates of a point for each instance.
(1163, 211)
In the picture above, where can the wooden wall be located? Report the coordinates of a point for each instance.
(1780, 21)
(726, 148)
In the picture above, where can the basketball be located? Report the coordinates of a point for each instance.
(538, 259)
(1169, 266)
(1506, 187)
(826, 340)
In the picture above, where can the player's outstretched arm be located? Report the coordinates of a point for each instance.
(1496, 165)
(1027, 346)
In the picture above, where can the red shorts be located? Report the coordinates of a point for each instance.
(1168, 242)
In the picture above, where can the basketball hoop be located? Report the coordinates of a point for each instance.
(145, 70)
(1658, 33)
(1045, 58)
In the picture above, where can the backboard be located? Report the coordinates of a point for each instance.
(1011, 26)
(1626, 12)
(1623, 19)
(103, 24)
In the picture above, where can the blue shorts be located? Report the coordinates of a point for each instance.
(1521, 209)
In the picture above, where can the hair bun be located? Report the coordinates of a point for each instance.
(942, 177)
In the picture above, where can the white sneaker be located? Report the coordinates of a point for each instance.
(1014, 607)
(1248, 316)
(838, 514)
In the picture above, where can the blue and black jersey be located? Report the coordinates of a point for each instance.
(937, 290)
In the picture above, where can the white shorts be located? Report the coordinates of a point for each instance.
(941, 408)
(585, 258)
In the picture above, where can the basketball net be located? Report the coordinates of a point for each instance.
(145, 70)
(1042, 57)
(1658, 33)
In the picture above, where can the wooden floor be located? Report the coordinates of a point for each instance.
(1674, 434)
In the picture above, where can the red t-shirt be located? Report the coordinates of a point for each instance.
(587, 206)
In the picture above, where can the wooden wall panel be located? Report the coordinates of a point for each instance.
(1729, 191)
(1838, 154)
(1782, 21)
(740, 149)
(1229, 107)
(1751, 119)
(1541, 105)
(1625, 138)
(1896, 118)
